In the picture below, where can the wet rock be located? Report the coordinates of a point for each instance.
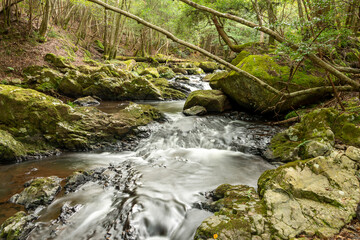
(87, 101)
(209, 66)
(314, 197)
(75, 180)
(214, 80)
(39, 191)
(17, 227)
(212, 100)
(239, 215)
(10, 149)
(195, 111)
(317, 196)
(180, 87)
(22, 115)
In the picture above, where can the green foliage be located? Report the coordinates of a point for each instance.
(71, 104)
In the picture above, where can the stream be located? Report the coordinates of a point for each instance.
(158, 187)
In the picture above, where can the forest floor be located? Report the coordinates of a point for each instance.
(19, 49)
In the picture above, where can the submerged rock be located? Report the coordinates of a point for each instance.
(212, 100)
(39, 191)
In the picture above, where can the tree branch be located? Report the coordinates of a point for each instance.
(189, 45)
(278, 38)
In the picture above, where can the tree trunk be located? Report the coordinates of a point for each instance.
(45, 20)
(272, 20)
(224, 36)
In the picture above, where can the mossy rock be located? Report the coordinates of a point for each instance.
(17, 226)
(240, 57)
(57, 61)
(311, 197)
(240, 214)
(194, 71)
(208, 67)
(71, 88)
(167, 92)
(42, 123)
(141, 89)
(10, 149)
(315, 135)
(39, 191)
(151, 71)
(166, 72)
(138, 114)
(254, 97)
(212, 100)
(42, 79)
(214, 80)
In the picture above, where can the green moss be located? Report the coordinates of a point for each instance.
(12, 227)
(240, 57)
(57, 61)
(212, 100)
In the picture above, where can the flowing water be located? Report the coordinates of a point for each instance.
(157, 187)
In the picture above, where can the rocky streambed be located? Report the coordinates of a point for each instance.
(158, 181)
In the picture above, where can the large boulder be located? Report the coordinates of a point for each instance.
(312, 197)
(315, 135)
(253, 97)
(166, 72)
(42, 123)
(212, 100)
(10, 149)
(208, 67)
(39, 191)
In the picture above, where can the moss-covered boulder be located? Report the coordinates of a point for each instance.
(17, 227)
(57, 61)
(10, 149)
(208, 67)
(239, 215)
(253, 97)
(71, 88)
(316, 133)
(243, 54)
(194, 71)
(214, 80)
(311, 197)
(212, 100)
(151, 71)
(42, 78)
(166, 72)
(39, 191)
(42, 123)
(167, 90)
